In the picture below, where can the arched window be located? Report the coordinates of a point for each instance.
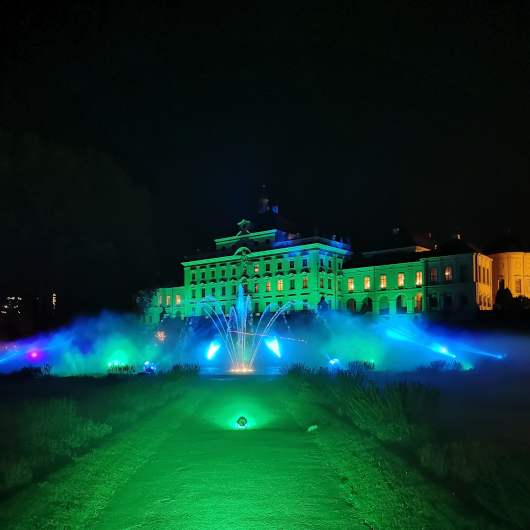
(350, 305)
(401, 304)
(419, 278)
(383, 305)
(418, 303)
(434, 275)
(448, 274)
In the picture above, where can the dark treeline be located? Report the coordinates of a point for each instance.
(73, 225)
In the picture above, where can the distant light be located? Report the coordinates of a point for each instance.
(110, 364)
(333, 361)
(34, 354)
(274, 346)
(443, 350)
(115, 363)
(242, 423)
(146, 362)
(212, 349)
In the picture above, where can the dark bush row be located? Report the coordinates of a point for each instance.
(40, 433)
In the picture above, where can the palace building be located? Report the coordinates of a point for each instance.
(401, 275)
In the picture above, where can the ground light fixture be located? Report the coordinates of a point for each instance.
(242, 423)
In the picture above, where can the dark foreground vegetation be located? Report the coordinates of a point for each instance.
(47, 421)
(490, 479)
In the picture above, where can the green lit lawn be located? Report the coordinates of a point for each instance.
(188, 467)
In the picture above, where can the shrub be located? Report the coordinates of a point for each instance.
(441, 365)
(31, 372)
(361, 366)
(124, 369)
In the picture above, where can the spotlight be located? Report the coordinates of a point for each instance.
(333, 361)
(242, 423)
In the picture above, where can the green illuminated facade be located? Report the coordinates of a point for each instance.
(401, 278)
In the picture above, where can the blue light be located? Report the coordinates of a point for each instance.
(212, 349)
(273, 345)
(333, 361)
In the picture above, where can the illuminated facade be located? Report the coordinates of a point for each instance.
(400, 277)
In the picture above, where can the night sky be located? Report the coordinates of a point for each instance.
(357, 116)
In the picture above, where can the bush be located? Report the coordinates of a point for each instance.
(124, 369)
(31, 372)
(440, 365)
(361, 366)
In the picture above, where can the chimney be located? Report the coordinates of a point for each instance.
(395, 231)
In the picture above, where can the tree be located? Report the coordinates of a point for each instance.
(74, 225)
(520, 303)
(503, 299)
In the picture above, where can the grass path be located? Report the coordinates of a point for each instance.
(210, 475)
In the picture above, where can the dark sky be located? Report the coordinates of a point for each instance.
(357, 116)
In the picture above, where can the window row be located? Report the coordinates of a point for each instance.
(255, 267)
(383, 281)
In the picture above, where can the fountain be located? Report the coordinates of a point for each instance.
(236, 330)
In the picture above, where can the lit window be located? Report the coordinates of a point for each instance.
(434, 276)
(160, 299)
(268, 287)
(367, 282)
(256, 268)
(223, 291)
(168, 300)
(304, 262)
(383, 281)
(267, 267)
(280, 285)
(256, 288)
(291, 264)
(322, 283)
(178, 299)
(401, 279)
(350, 284)
(234, 289)
(518, 286)
(291, 284)
(419, 278)
(448, 274)
(304, 283)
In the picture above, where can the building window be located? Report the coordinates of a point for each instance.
(193, 293)
(321, 262)
(234, 290)
(268, 287)
(448, 274)
(256, 287)
(256, 268)
(527, 286)
(463, 273)
(203, 293)
(518, 286)
(488, 276)
(178, 299)
(480, 299)
(383, 281)
(256, 307)
(280, 303)
(419, 278)
(245, 288)
(267, 267)
(339, 285)
(168, 300)
(280, 265)
(479, 272)
(233, 271)
(280, 285)
(193, 277)
(203, 275)
(223, 309)
(434, 301)
(291, 284)
(329, 283)
(291, 264)
(367, 282)
(434, 275)
(330, 263)
(213, 291)
(223, 272)
(322, 283)
(350, 284)
(213, 273)
(463, 299)
(304, 283)
(304, 262)
(340, 265)
(401, 279)
(448, 300)
(159, 299)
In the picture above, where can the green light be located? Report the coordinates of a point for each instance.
(242, 423)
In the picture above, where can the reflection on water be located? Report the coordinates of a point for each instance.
(224, 370)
